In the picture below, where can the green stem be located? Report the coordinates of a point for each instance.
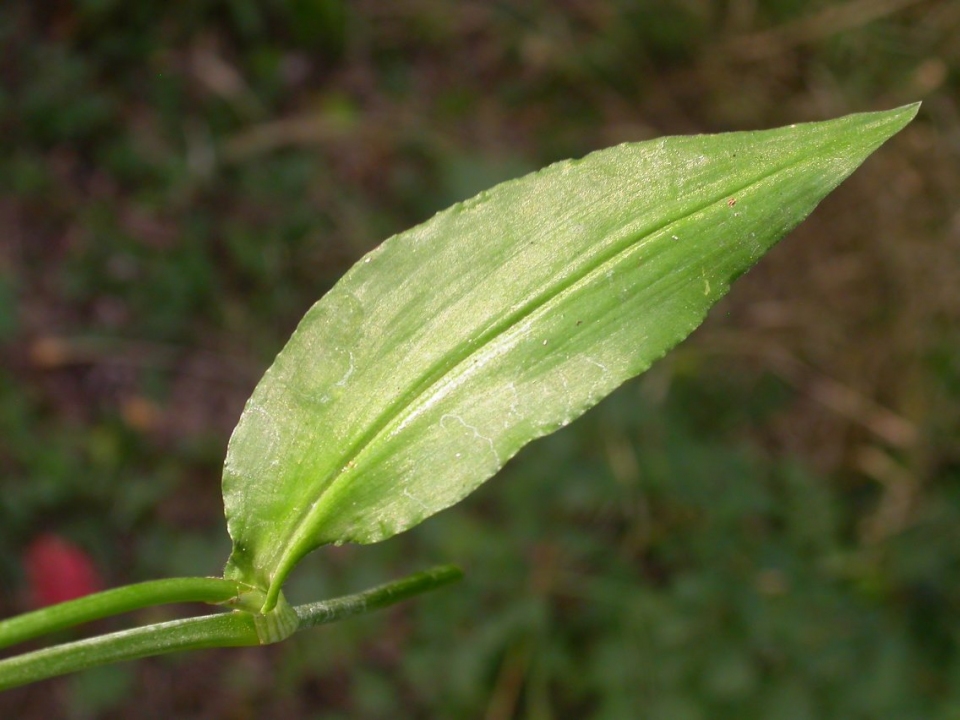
(232, 629)
(114, 602)
(329, 611)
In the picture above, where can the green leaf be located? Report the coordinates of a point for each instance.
(445, 350)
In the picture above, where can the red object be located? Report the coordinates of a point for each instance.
(58, 570)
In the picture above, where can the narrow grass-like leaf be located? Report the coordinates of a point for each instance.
(452, 345)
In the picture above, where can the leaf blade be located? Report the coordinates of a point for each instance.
(452, 345)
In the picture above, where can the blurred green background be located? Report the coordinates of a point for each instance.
(766, 525)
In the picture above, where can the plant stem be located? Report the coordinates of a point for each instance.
(114, 602)
(232, 629)
(328, 611)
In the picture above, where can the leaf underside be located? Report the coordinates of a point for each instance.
(449, 347)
